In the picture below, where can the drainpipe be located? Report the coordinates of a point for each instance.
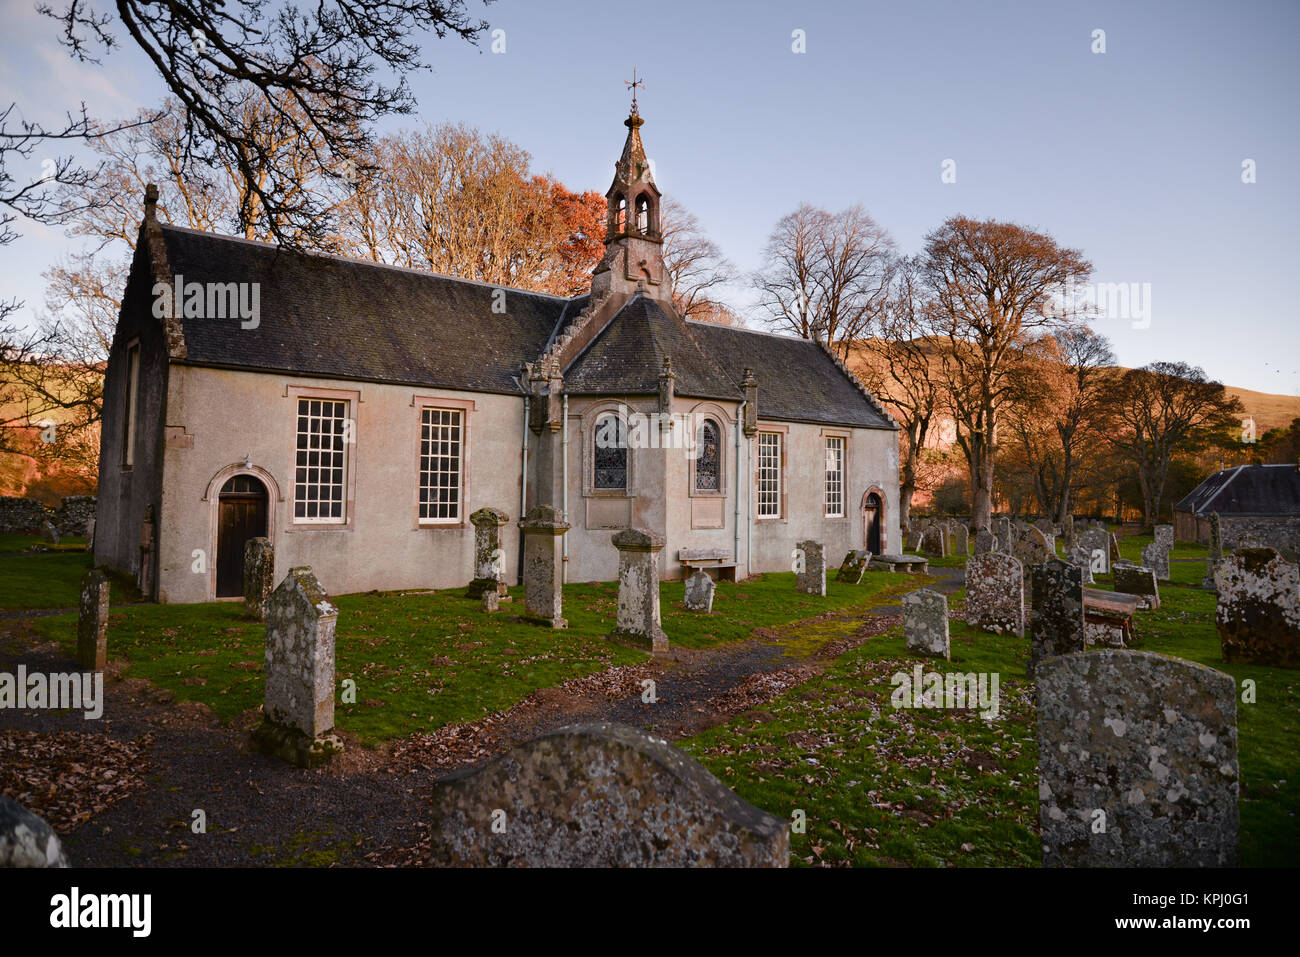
(749, 510)
(523, 493)
(564, 480)
(740, 413)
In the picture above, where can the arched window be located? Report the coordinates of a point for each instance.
(620, 215)
(709, 457)
(643, 214)
(609, 456)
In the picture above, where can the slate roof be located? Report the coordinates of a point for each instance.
(336, 317)
(343, 318)
(1246, 490)
(796, 379)
(627, 357)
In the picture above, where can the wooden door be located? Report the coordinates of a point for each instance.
(241, 515)
(871, 523)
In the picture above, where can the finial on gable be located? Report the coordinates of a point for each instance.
(151, 203)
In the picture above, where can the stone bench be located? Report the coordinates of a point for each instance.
(912, 564)
(716, 560)
(1108, 617)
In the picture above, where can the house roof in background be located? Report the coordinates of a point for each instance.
(1246, 490)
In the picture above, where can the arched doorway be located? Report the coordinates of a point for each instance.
(872, 521)
(241, 515)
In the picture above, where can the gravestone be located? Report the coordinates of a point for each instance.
(699, 592)
(1032, 547)
(1156, 557)
(1258, 609)
(638, 590)
(854, 566)
(144, 578)
(1095, 541)
(1137, 580)
(489, 559)
(984, 541)
(92, 621)
(1164, 535)
(90, 534)
(298, 714)
(259, 576)
(1081, 557)
(1046, 526)
(914, 539)
(812, 579)
(933, 542)
(1137, 762)
(26, 840)
(1216, 551)
(1068, 532)
(599, 795)
(958, 539)
(1005, 534)
(49, 533)
(544, 564)
(995, 598)
(925, 623)
(1056, 617)
(1114, 547)
(490, 600)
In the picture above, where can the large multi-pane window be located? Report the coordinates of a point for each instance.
(708, 460)
(441, 459)
(769, 475)
(834, 477)
(609, 457)
(321, 461)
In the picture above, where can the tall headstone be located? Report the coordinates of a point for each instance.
(1258, 609)
(638, 590)
(933, 542)
(1005, 534)
(925, 623)
(298, 714)
(1156, 557)
(1032, 547)
(995, 598)
(1098, 546)
(1068, 533)
(811, 580)
(259, 576)
(1080, 556)
(1056, 616)
(1216, 551)
(1137, 762)
(1164, 534)
(958, 539)
(489, 559)
(1137, 580)
(544, 564)
(599, 795)
(699, 592)
(92, 621)
(854, 565)
(27, 840)
(985, 542)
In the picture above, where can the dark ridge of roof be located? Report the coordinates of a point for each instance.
(335, 317)
(627, 357)
(1246, 490)
(797, 380)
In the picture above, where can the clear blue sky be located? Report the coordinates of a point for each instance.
(1133, 155)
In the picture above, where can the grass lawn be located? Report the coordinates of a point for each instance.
(10, 543)
(50, 579)
(421, 661)
(881, 785)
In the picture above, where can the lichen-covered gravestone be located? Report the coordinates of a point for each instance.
(958, 539)
(259, 576)
(599, 795)
(984, 542)
(1098, 547)
(543, 565)
(995, 598)
(1137, 762)
(26, 840)
(1006, 535)
(1164, 535)
(1082, 558)
(854, 566)
(1156, 557)
(92, 621)
(1056, 618)
(489, 559)
(699, 592)
(1258, 608)
(810, 568)
(925, 623)
(638, 590)
(1137, 580)
(934, 542)
(1216, 551)
(298, 714)
(1032, 547)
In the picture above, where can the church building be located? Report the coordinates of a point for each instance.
(357, 414)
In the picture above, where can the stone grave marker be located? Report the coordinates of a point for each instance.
(933, 542)
(92, 621)
(925, 623)
(1137, 580)
(812, 579)
(1056, 616)
(1258, 609)
(1216, 551)
(27, 840)
(995, 598)
(544, 565)
(1156, 557)
(699, 592)
(638, 590)
(489, 559)
(1080, 556)
(1095, 541)
(958, 539)
(985, 542)
(854, 566)
(259, 576)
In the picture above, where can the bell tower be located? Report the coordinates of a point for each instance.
(634, 257)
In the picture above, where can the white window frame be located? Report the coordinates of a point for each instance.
(344, 484)
(461, 418)
(833, 484)
(778, 467)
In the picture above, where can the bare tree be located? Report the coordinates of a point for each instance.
(1164, 408)
(996, 286)
(694, 263)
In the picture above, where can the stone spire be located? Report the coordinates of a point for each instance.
(633, 238)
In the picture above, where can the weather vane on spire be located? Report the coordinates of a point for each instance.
(633, 84)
